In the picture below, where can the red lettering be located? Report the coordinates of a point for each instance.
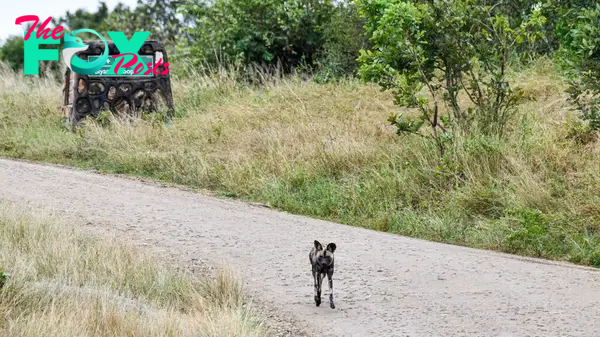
(138, 68)
(167, 69)
(26, 18)
(128, 64)
(43, 30)
(56, 33)
(157, 66)
(149, 65)
(57, 30)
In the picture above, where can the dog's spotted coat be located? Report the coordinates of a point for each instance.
(321, 261)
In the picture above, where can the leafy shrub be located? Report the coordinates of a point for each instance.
(258, 31)
(559, 15)
(158, 16)
(446, 47)
(550, 235)
(11, 52)
(344, 38)
(305, 35)
(580, 54)
(531, 234)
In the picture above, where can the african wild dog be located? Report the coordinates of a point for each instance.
(322, 263)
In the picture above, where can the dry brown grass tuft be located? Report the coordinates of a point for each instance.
(63, 283)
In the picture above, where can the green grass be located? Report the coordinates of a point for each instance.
(327, 151)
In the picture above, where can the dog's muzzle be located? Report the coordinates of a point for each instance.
(324, 261)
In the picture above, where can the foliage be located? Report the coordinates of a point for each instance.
(82, 18)
(258, 31)
(558, 14)
(326, 154)
(344, 38)
(580, 54)
(531, 231)
(3, 277)
(446, 47)
(11, 52)
(157, 16)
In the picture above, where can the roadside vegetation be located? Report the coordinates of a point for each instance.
(327, 150)
(61, 282)
(462, 121)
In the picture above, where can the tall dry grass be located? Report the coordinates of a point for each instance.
(63, 283)
(326, 150)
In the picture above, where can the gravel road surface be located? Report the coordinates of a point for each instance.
(384, 285)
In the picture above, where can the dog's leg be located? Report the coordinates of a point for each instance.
(320, 277)
(330, 278)
(317, 288)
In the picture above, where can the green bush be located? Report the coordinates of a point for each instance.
(530, 234)
(12, 52)
(344, 38)
(580, 53)
(258, 31)
(559, 15)
(534, 233)
(445, 47)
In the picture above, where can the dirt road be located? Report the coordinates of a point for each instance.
(385, 285)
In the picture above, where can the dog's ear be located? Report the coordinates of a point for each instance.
(318, 245)
(331, 247)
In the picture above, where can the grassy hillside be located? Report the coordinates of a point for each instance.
(63, 283)
(327, 150)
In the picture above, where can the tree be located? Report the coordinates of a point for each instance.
(446, 47)
(258, 31)
(11, 52)
(344, 37)
(157, 16)
(81, 18)
(580, 53)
